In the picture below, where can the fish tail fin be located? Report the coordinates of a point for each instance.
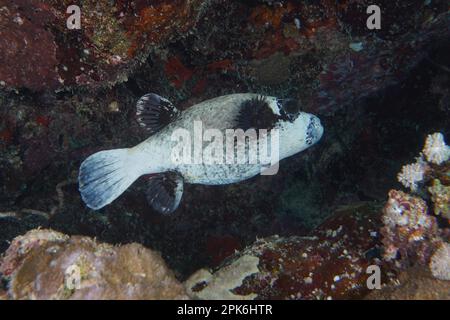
(105, 175)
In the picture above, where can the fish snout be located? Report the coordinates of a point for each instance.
(314, 130)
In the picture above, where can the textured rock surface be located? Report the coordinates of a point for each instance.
(314, 37)
(331, 264)
(304, 49)
(440, 262)
(39, 52)
(234, 46)
(414, 284)
(44, 264)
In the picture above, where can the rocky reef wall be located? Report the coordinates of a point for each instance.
(65, 94)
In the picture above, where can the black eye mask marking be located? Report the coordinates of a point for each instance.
(289, 109)
(256, 113)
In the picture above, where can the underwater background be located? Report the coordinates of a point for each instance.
(308, 232)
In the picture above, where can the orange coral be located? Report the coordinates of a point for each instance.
(200, 86)
(43, 121)
(6, 135)
(263, 15)
(290, 23)
(158, 21)
(225, 64)
(177, 72)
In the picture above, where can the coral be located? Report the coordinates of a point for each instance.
(330, 264)
(44, 264)
(412, 174)
(409, 233)
(412, 233)
(440, 196)
(440, 262)
(435, 150)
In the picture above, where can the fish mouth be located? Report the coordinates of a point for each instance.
(314, 130)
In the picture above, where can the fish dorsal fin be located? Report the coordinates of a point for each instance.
(164, 191)
(154, 112)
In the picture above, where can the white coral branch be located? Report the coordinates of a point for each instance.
(411, 174)
(435, 150)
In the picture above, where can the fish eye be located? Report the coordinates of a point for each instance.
(289, 108)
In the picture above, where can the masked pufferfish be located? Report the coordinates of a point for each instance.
(105, 175)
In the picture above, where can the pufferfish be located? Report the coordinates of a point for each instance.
(105, 175)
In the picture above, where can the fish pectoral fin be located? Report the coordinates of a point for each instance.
(154, 112)
(164, 191)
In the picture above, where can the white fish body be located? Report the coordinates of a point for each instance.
(106, 174)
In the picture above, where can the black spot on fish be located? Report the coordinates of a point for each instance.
(256, 113)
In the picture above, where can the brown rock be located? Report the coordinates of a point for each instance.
(331, 264)
(38, 51)
(48, 265)
(415, 284)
